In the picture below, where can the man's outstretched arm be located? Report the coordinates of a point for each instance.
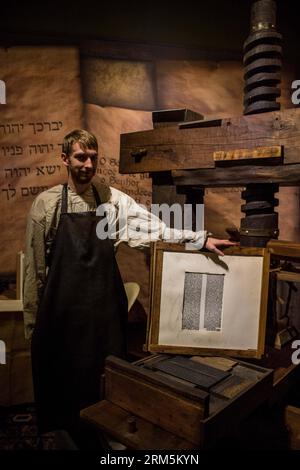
(143, 227)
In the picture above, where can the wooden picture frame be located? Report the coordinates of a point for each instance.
(235, 286)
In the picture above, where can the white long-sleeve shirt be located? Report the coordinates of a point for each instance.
(128, 222)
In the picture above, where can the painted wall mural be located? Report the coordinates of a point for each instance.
(43, 103)
(48, 91)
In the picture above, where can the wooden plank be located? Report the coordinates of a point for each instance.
(156, 292)
(236, 409)
(11, 306)
(175, 379)
(198, 367)
(243, 251)
(115, 421)
(284, 248)
(167, 409)
(248, 154)
(222, 363)
(263, 304)
(232, 387)
(151, 364)
(201, 123)
(172, 148)
(139, 373)
(232, 251)
(166, 349)
(292, 422)
(288, 276)
(151, 284)
(152, 360)
(203, 380)
(286, 175)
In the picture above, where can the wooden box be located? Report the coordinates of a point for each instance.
(197, 399)
(185, 397)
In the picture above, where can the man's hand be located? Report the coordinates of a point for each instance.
(213, 244)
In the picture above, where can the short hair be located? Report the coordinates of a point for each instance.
(85, 138)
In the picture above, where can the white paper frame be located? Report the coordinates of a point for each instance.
(244, 302)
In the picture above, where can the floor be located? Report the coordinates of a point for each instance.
(18, 430)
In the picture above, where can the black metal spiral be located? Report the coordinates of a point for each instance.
(262, 74)
(262, 60)
(261, 221)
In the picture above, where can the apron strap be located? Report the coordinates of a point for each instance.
(64, 198)
(96, 196)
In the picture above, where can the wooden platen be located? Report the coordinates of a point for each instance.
(201, 375)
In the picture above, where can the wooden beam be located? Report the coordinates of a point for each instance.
(288, 276)
(167, 117)
(248, 154)
(11, 306)
(174, 148)
(286, 175)
(284, 248)
(292, 422)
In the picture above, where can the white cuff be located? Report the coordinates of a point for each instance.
(198, 242)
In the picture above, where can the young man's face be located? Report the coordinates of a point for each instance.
(82, 163)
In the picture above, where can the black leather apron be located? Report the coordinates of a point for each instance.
(81, 319)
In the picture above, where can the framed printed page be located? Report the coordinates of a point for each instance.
(201, 302)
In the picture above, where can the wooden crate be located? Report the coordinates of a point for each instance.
(171, 404)
(197, 414)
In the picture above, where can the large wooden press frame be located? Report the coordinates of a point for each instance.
(244, 303)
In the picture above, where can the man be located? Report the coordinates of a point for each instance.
(75, 306)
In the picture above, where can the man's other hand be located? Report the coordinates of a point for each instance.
(213, 244)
